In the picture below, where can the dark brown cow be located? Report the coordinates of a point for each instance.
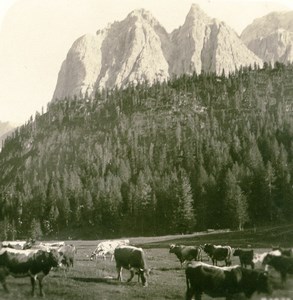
(282, 264)
(224, 282)
(245, 257)
(218, 253)
(21, 263)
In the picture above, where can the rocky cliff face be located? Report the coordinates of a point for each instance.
(139, 49)
(271, 37)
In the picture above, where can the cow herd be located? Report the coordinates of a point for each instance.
(35, 260)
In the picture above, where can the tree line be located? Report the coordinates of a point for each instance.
(195, 152)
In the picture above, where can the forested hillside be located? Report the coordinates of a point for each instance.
(196, 152)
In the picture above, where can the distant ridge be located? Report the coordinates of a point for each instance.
(271, 37)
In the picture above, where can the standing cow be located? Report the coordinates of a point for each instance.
(185, 253)
(21, 263)
(218, 253)
(133, 259)
(282, 264)
(245, 257)
(224, 282)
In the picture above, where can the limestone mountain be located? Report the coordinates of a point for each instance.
(139, 49)
(271, 37)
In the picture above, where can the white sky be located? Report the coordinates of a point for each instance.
(35, 36)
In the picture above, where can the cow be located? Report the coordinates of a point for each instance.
(54, 245)
(20, 245)
(185, 253)
(282, 264)
(245, 257)
(224, 281)
(67, 253)
(284, 252)
(21, 263)
(259, 257)
(218, 253)
(107, 247)
(133, 259)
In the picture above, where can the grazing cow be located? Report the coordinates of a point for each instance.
(21, 263)
(245, 257)
(133, 259)
(67, 253)
(218, 253)
(54, 245)
(185, 253)
(107, 247)
(224, 282)
(282, 264)
(20, 245)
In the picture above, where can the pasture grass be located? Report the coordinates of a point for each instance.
(97, 279)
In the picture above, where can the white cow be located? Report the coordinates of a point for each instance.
(107, 247)
(14, 244)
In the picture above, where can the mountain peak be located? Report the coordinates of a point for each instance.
(143, 14)
(196, 14)
(139, 49)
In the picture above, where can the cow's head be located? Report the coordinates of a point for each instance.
(208, 248)
(55, 258)
(267, 259)
(93, 255)
(144, 273)
(237, 252)
(172, 248)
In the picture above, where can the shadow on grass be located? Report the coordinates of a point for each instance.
(169, 269)
(112, 281)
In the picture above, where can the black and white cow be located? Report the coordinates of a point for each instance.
(218, 253)
(21, 263)
(225, 282)
(245, 257)
(133, 259)
(185, 253)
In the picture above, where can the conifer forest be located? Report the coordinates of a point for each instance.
(196, 152)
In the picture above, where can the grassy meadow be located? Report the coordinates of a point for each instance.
(97, 279)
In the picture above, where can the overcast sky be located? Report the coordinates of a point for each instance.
(35, 36)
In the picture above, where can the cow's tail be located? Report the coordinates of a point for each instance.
(229, 256)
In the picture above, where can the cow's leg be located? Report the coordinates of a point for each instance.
(119, 271)
(143, 278)
(252, 265)
(189, 294)
(3, 281)
(3, 274)
(131, 275)
(283, 277)
(197, 295)
(33, 281)
(40, 279)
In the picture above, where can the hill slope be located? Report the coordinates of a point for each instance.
(196, 152)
